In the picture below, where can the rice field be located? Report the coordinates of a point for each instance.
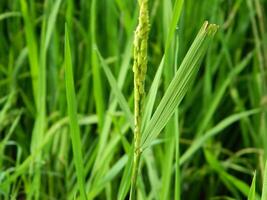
(133, 99)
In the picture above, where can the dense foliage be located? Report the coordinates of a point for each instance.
(67, 100)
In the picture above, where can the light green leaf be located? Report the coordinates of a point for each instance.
(115, 88)
(252, 192)
(179, 85)
(264, 184)
(72, 112)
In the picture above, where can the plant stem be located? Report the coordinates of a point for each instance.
(139, 69)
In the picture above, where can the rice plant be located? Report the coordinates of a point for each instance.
(143, 99)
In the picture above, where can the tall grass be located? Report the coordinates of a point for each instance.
(74, 127)
(77, 123)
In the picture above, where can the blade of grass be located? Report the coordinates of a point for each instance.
(74, 127)
(151, 97)
(113, 105)
(32, 47)
(175, 18)
(4, 141)
(252, 192)
(116, 168)
(150, 100)
(120, 97)
(51, 25)
(264, 184)
(7, 15)
(6, 107)
(153, 174)
(179, 84)
(97, 83)
(177, 190)
(171, 128)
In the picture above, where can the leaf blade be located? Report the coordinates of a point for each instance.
(72, 112)
(178, 85)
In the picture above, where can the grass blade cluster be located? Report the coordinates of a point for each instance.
(179, 84)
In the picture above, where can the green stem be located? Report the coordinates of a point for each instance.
(137, 156)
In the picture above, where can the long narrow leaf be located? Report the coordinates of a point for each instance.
(72, 112)
(252, 192)
(115, 88)
(264, 185)
(151, 97)
(179, 85)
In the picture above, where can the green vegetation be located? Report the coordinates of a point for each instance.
(144, 99)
